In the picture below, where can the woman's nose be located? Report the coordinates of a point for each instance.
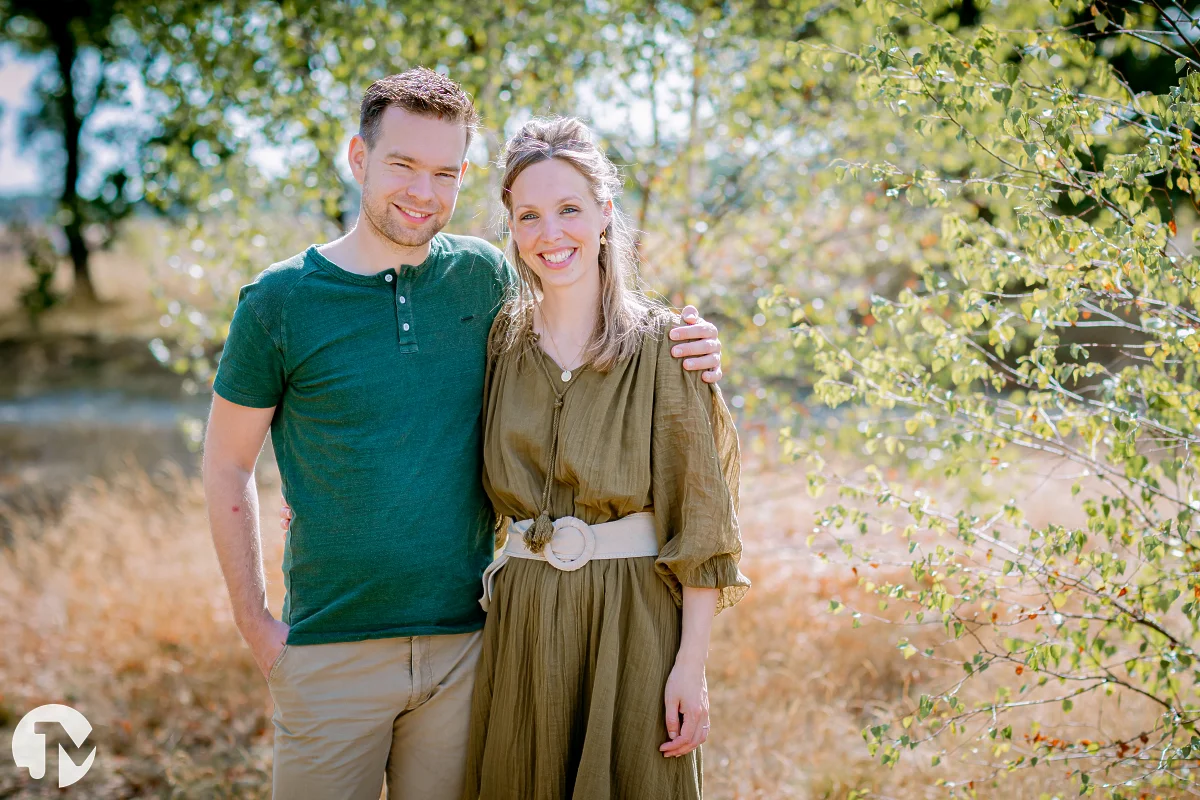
(551, 230)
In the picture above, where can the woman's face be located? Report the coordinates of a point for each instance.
(556, 223)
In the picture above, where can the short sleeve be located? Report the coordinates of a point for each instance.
(508, 276)
(251, 371)
(695, 474)
(504, 283)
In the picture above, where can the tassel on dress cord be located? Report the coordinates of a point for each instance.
(540, 533)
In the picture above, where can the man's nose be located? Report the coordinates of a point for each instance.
(420, 187)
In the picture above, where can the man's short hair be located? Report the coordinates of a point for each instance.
(418, 91)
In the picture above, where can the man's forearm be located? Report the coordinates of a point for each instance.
(232, 497)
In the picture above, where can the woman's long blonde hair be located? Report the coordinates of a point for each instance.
(625, 310)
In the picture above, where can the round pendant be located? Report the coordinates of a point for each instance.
(566, 375)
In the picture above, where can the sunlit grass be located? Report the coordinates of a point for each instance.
(118, 608)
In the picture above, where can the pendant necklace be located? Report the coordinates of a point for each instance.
(566, 373)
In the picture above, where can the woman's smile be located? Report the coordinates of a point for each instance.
(559, 258)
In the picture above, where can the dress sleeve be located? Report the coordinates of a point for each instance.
(495, 336)
(695, 469)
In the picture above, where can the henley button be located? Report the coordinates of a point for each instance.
(387, 278)
(406, 326)
(402, 300)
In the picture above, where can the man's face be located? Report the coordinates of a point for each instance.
(410, 177)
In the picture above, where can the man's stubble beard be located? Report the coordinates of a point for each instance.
(378, 214)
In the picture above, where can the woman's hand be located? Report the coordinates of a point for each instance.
(686, 697)
(285, 514)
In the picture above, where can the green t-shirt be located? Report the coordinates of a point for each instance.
(377, 385)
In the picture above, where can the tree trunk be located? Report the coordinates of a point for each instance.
(968, 14)
(691, 239)
(647, 186)
(65, 51)
(334, 196)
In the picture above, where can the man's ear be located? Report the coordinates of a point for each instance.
(462, 172)
(356, 155)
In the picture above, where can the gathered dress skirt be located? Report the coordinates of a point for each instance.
(569, 693)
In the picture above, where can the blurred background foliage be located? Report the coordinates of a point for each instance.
(947, 243)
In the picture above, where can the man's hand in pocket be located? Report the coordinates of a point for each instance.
(266, 638)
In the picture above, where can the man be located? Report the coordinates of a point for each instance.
(365, 358)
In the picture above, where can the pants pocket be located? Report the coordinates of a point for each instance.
(275, 666)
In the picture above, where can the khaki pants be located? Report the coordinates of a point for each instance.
(348, 714)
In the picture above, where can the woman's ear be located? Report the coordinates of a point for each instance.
(608, 211)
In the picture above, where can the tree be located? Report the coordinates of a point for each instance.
(83, 39)
(995, 356)
(725, 136)
(290, 79)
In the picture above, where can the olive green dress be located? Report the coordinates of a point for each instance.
(569, 695)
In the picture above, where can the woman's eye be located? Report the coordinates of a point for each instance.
(528, 217)
(570, 210)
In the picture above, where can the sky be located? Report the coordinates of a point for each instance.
(18, 171)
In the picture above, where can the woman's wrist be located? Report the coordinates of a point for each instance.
(692, 653)
(699, 606)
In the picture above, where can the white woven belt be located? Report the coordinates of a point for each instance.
(575, 543)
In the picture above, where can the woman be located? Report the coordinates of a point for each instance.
(621, 473)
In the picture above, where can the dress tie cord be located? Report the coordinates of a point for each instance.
(542, 529)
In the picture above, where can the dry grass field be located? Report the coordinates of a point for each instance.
(117, 607)
(125, 275)
(113, 602)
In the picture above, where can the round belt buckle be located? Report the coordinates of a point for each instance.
(567, 526)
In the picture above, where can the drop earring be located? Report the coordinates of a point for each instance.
(602, 239)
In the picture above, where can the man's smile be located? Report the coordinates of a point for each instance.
(414, 215)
